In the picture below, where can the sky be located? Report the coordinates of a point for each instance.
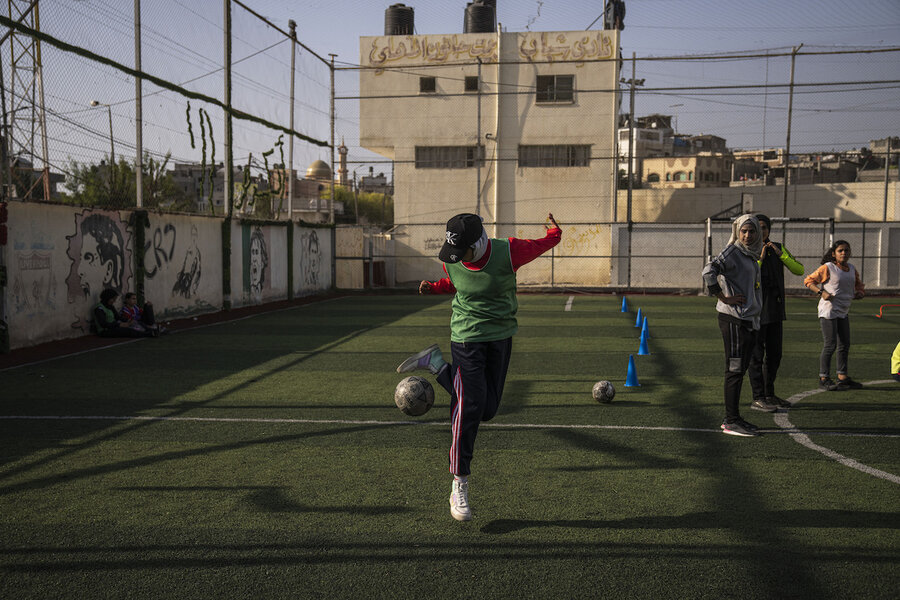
(182, 42)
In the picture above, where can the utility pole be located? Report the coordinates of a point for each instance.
(787, 149)
(632, 83)
(887, 168)
(331, 201)
(138, 110)
(292, 26)
(228, 192)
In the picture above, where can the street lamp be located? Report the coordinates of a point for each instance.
(112, 147)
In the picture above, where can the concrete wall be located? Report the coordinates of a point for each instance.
(59, 258)
(842, 201)
(183, 264)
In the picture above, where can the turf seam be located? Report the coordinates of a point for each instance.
(792, 430)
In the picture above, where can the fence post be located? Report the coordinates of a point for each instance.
(138, 112)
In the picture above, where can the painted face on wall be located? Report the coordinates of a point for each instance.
(94, 272)
(256, 265)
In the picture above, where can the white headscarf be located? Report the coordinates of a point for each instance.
(480, 247)
(754, 249)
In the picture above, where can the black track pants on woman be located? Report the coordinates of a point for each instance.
(740, 339)
(475, 382)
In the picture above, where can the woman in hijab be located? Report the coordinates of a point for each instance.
(734, 278)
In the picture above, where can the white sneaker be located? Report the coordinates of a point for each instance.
(430, 358)
(459, 501)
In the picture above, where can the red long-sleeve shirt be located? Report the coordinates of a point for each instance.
(521, 252)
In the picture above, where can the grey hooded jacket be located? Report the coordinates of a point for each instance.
(734, 273)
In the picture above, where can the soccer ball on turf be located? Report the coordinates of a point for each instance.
(414, 396)
(604, 391)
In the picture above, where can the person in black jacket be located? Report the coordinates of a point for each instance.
(768, 351)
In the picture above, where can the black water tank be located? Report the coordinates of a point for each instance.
(399, 19)
(480, 17)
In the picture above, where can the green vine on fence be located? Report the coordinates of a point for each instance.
(245, 186)
(212, 158)
(190, 128)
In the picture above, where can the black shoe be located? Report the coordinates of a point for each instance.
(763, 405)
(779, 402)
(848, 384)
(827, 384)
(748, 425)
(739, 428)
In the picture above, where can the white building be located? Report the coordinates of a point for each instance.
(510, 126)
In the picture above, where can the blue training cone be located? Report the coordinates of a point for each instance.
(624, 304)
(637, 322)
(645, 331)
(631, 379)
(644, 350)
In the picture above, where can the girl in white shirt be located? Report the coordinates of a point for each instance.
(838, 282)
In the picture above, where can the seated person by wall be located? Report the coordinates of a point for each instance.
(108, 324)
(139, 318)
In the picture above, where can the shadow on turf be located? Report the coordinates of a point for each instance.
(714, 520)
(268, 498)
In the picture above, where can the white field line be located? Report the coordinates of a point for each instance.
(396, 423)
(781, 419)
(569, 302)
(192, 328)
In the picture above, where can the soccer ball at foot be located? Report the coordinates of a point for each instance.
(414, 396)
(604, 391)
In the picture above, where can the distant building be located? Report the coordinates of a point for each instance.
(375, 184)
(698, 171)
(436, 105)
(308, 203)
(880, 149)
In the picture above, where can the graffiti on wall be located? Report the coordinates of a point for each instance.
(188, 278)
(311, 258)
(159, 249)
(101, 258)
(590, 46)
(34, 285)
(258, 263)
(430, 50)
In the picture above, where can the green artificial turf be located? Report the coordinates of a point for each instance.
(269, 461)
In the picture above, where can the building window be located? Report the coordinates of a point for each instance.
(680, 176)
(668, 177)
(555, 156)
(653, 177)
(471, 83)
(690, 175)
(555, 88)
(427, 85)
(449, 157)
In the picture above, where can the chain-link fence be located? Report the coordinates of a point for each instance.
(631, 153)
(147, 100)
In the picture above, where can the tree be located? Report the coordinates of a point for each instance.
(113, 186)
(374, 209)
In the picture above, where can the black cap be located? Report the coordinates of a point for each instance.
(462, 232)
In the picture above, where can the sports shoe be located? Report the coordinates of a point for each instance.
(748, 425)
(739, 428)
(779, 402)
(430, 358)
(827, 384)
(848, 384)
(459, 501)
(763, 405)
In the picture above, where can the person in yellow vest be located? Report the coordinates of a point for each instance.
(481, 273)
(895, 363)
